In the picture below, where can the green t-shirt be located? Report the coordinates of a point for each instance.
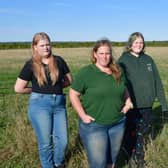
(102, 97)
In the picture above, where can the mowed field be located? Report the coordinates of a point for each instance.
(11, 61)
(18, 147)
(74, 56)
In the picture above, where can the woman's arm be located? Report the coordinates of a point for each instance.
(21, 86)
(76, 103)
(128, 103)
(67, 80)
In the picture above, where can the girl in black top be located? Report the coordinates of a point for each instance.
(48, 75)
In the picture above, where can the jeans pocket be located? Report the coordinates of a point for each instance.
(89, 127)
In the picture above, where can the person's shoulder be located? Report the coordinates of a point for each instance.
(147, 57)
(29, 62)
(86, 68)
(124, 55)
(28, 65)
(58, 57)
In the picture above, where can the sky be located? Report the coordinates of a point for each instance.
(83, 20)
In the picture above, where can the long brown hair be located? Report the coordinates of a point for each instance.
(38, 67)
(116, 71)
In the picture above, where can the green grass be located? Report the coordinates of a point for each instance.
(18, 146)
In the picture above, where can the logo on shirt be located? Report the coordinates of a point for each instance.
(149, 67)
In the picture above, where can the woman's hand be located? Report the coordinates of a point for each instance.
(125, 109)
(128, 105)
(86, 118)
(76, 103)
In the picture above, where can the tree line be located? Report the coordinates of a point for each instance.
(74, 44)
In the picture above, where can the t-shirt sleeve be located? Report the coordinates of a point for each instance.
(65, 68)
(26, 72)
(79, 83)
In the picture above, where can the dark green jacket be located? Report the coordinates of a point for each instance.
(143, 80)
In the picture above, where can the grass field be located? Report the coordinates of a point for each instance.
(18, 148)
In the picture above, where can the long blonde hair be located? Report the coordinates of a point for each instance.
(131, 39)
(116, 71)
(38, 67)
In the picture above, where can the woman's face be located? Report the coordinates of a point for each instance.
(103, 56)
(43, 48)
(137, 46)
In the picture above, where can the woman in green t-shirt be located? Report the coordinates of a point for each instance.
(99, 96)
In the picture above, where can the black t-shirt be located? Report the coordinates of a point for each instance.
(28, 75)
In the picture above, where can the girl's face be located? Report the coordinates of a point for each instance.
(43, 48)
(137, 46)
(103, 56)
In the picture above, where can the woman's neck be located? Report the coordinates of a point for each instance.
(45, 60)
(135, 54)
(106, 70)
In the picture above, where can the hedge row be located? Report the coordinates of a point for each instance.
(23, 45)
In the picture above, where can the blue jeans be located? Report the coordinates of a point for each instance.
(47, 113)
(101, 141)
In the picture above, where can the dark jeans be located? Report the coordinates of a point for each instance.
(138, 131)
